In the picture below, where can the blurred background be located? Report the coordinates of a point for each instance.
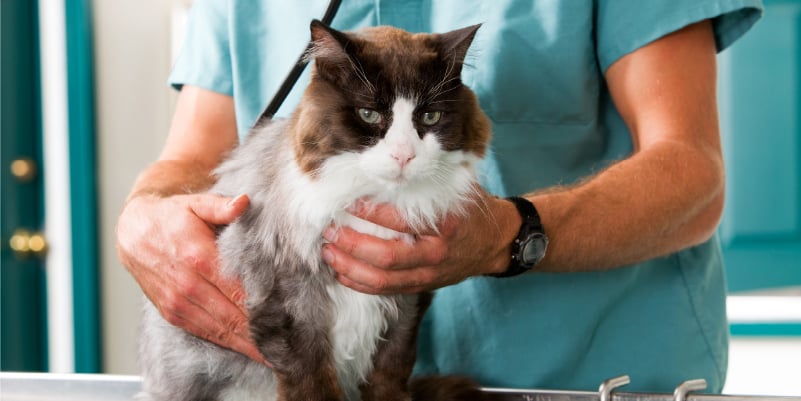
(85, 107)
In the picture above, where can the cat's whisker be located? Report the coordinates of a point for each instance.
(476, 198)
(449, 69)
(447, 77)
(439, 94)
(443, 101)
(446, 80)
(359, 70)
(442, 92)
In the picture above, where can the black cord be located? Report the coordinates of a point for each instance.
(300, 65)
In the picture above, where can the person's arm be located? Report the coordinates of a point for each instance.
(165, 232)
(666, 196)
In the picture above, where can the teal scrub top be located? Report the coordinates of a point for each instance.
(538, 69)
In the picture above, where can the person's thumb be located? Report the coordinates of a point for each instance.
(219, 210)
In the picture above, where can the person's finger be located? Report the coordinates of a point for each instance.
(210, 298)
(387, 254)
(347, 282)
(234, 291)
(219, 210)
(373, 280)
(201, 256)
(201, 324)
(214, 314)
(382, 214)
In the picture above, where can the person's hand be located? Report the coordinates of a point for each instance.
(169, 246)
(475, 243)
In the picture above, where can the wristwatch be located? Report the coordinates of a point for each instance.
(529, 247)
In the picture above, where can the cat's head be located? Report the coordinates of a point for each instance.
(391, 102)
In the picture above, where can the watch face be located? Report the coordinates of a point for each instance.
(533, 250)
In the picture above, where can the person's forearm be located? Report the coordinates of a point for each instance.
(173, 177)
(640, 208)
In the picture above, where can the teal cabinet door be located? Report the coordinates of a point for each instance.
(23, 337)
(760, 105)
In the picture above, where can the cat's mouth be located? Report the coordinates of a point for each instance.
(396, 179)
(391, 174)
(399, 180)
(408, 174)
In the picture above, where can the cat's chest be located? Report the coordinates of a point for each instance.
(359, 322)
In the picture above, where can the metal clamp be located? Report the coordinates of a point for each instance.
(680, 394)
(605, 390)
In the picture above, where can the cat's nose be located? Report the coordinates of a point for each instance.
(403, 157)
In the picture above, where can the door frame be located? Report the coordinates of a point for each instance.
(83, 185)
(70, 185)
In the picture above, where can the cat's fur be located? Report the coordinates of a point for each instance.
(326, 341)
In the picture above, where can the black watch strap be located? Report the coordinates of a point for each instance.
(531, 225)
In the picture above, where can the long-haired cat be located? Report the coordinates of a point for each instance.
(385, 118)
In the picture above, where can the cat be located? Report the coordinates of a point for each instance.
(386, 118)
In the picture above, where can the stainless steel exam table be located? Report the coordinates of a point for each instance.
(98, 387)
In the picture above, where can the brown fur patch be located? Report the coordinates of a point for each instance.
(394, 360)
(300, 351)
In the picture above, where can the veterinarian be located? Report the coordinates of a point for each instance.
(604, 120)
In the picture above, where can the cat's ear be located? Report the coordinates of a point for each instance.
(329, 46)
(454, 44)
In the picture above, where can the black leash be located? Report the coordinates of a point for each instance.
(300, 65)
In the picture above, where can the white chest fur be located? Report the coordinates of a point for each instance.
(359, 321)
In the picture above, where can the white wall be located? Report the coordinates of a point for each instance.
(134, 105)
(764, 366)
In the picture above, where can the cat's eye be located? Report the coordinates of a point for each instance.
(369, 116)
(431, 117)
